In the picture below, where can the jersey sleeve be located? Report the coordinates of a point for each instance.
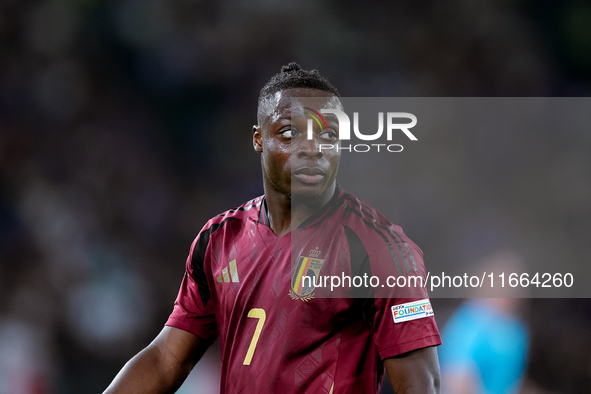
(393, 338)
(391, 335)
(194, 308)
(393, 255)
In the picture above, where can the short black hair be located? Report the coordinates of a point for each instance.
(292, 76)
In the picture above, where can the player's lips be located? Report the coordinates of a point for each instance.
(309, 174)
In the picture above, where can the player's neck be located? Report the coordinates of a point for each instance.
(287, 213)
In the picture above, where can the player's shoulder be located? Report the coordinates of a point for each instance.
(243, 213)
(361, 214)
(233, 222)
(369, 223)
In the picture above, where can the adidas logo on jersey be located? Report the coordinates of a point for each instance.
(231, 273)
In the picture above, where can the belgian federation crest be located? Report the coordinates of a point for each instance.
(305, 275)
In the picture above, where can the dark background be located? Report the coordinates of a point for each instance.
(125, 125)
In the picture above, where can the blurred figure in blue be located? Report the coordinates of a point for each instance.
(485, 342)
(484, 348)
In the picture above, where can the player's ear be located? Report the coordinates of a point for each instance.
(257, 138)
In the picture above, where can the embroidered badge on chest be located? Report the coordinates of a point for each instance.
(305, 276)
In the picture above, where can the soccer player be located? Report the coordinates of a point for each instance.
(247, 279)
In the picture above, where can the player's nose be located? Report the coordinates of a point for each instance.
(309, 149)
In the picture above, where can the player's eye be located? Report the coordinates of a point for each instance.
(329, 135)
(289, 133)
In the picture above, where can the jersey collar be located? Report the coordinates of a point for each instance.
(317, 216)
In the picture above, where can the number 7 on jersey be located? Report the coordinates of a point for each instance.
(257, 313)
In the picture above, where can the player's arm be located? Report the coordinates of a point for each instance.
(414, 372)
(162, 366)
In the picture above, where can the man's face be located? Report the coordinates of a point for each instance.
(293, 164)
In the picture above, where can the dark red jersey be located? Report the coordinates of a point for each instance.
(279, 330)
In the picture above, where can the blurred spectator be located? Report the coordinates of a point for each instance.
(24, 359)
(484, 348)
(485, 341)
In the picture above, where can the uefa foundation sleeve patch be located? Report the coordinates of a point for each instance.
(412, 310)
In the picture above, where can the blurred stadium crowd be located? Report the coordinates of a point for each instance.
(125, 125)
